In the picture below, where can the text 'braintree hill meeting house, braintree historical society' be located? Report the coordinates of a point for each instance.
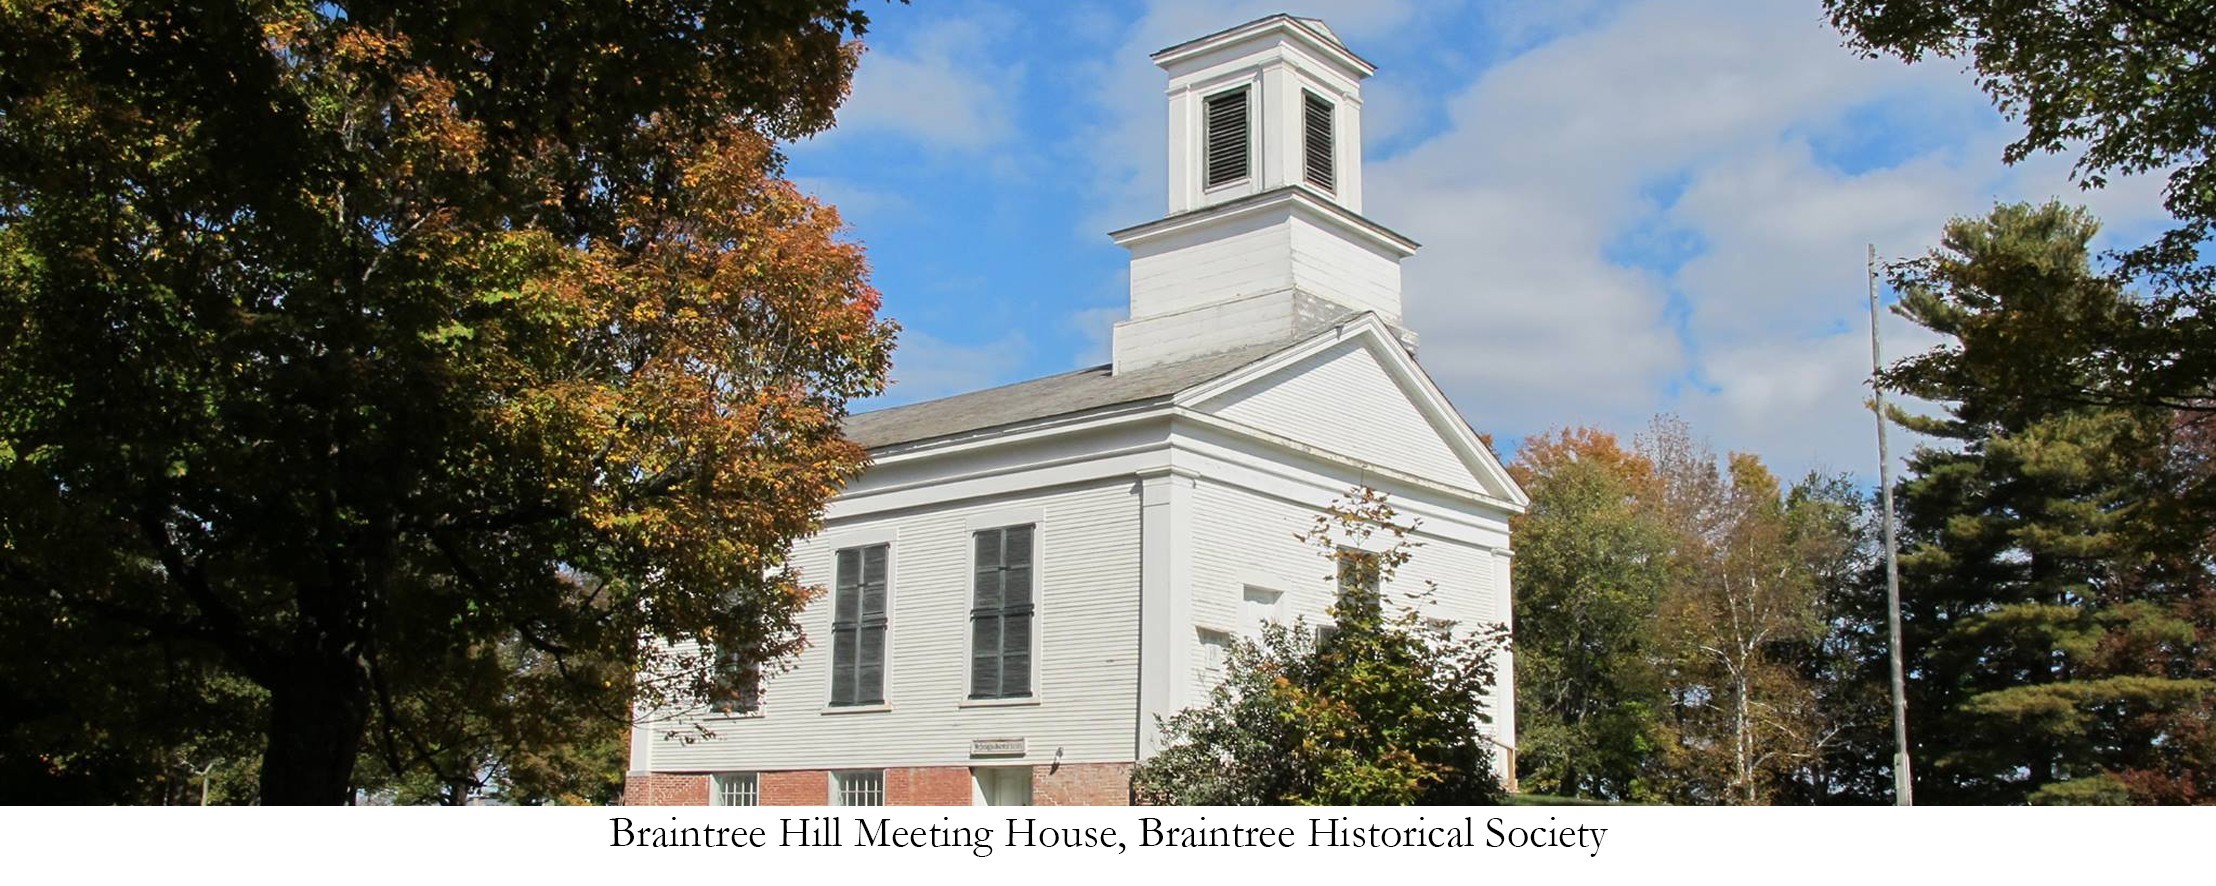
(1027, 577)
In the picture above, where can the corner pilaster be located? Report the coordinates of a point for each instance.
(1165, 598)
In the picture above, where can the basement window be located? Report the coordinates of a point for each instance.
(738, 789)
(858, 788)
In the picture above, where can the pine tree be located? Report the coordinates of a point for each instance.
(2050, 629)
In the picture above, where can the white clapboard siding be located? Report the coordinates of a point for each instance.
(1086, 636)
(1349, 271)
(1244, 538)
(1248, 256)
(1341, 400)
(1223, 262)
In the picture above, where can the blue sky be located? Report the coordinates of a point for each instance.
(1626, 207)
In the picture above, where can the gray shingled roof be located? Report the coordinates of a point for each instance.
(1066, 394)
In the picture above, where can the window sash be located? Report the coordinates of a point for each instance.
(738, 789)
(1002, 612)
(859, 788)
(858, 626)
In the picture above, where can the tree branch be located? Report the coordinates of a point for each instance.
(221, 624)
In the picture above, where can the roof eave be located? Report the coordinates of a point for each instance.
(1292, 24)
(1296, 194)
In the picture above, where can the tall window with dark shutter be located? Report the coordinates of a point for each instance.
(858, 627)
(1000, 614)
(741, 691)
(1226, 145)
(1316, 141)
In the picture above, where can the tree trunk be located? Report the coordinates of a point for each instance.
(316, 718)
(1742, 723)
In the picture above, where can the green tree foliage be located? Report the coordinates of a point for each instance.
(1845, 665)
(339, 341)
(88, 713)
(1746, 602)
(2056, 594)
(493, 722)
(1388, 708)
(1591, 568)
(1682, 627)
(2124, 85)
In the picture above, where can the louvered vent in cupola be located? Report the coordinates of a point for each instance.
(1226, 145)
(1316, 145)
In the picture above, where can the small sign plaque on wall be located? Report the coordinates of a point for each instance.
(996, 747)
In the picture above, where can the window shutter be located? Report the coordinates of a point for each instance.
(1015, 656)
(1226, 143)
(858, 626)
(1316, 143)
(750, 690)
(873, 584)
(846, 600)
(1016, 576)
(843, 654)
(869, 665)
(988, 570)
(985, 620)
(984, 680)
(1015, 629)
(1000, 615)
(869, 635)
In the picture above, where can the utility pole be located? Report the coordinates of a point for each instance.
(1904, 790)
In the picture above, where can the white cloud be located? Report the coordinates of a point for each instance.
(927, 367)
(1692, 119)
(940, 89)
(1737, 133)
(1390, 109)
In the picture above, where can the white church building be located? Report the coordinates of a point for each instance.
(1028, 577)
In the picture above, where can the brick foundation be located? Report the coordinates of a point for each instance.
(928, 786)
(1073, 784)
(1082, 784)
(665, 789)
(808, 787)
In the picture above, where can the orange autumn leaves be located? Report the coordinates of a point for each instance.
(429, 335)
(1666, 603)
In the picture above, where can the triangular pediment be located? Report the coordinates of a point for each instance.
(1354, 393)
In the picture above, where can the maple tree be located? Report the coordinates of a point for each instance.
(1591, 565)
(347, 347)
(1681, 627)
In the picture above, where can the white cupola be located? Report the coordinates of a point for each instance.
(1265, 239)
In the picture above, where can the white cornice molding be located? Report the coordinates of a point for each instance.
(1290, 26)
(1369, 330)
(1404, 370)
(1286, 199)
